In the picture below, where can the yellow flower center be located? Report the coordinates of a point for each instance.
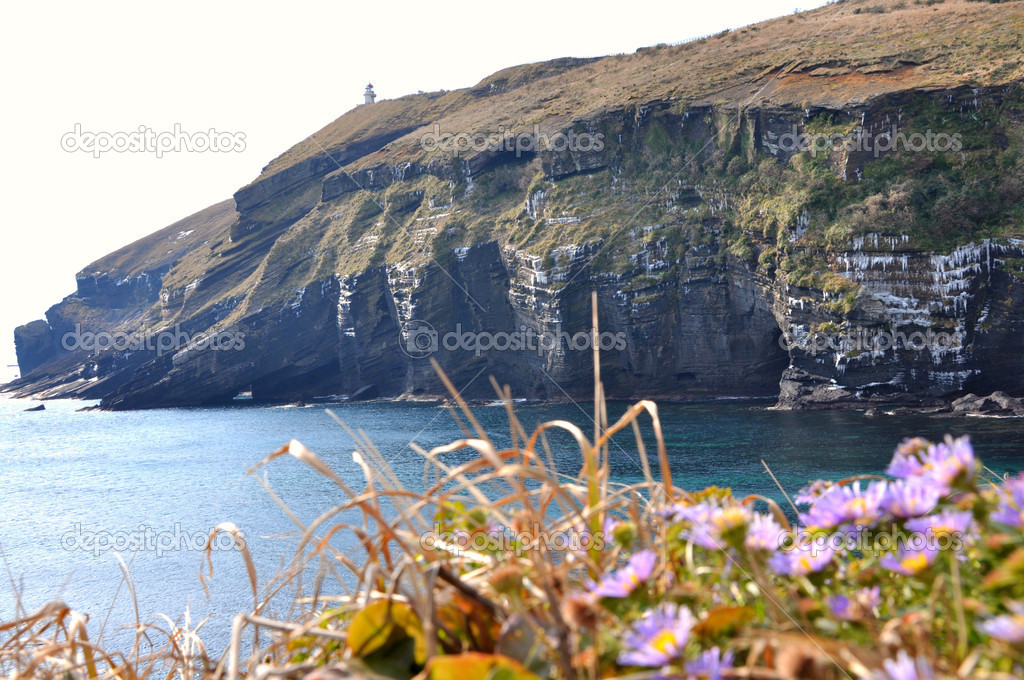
(664, 641)
(730, 517)
(915, 563)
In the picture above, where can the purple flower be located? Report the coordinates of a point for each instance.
(700, 531)
(910, 497)
(949, 523)
(909, 562)
(1007, 627)
(802, 560)
(870, 597)
(763, 533)
(694, 512)
(841, 607)
(672, 512)
(624, 581)
(954, 461)
(847, 608)
(860, 507)
(842, 504)
(823, 515)
(659, 637)
(905, 668)
(710, 521)
(1011, 504)
(942, 465)
(709, 665)
(906, 460)
(812, 492)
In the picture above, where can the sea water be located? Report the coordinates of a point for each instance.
(68, 476)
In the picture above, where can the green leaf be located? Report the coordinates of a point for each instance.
(384, 626)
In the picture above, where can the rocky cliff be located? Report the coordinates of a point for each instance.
(824, 208)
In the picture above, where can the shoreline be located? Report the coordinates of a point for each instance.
(1011, 407)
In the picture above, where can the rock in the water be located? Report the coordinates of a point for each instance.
(995, 404)
(41, 407)
(802, 390)
(34, 345)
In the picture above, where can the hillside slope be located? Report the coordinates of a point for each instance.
(735, 251)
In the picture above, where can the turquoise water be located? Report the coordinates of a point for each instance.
(178, 472)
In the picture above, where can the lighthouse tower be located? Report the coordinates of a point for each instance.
(369, 95)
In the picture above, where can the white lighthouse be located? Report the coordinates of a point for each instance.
(369, 95)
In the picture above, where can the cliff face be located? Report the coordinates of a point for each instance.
(728, 260)
(926, 326)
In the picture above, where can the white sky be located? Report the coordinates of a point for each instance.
(275, 71)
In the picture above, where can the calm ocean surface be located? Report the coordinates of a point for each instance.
(179, 472)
